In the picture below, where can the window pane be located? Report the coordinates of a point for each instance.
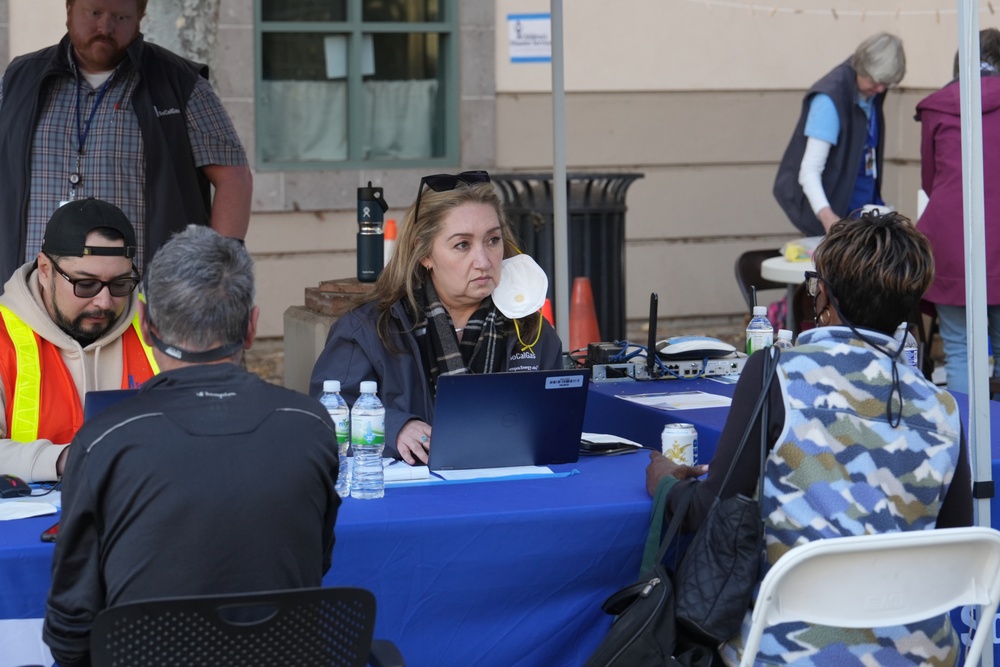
(404, 109)
(403, 11)
(299, 56)
(303, 98)
(304, 10)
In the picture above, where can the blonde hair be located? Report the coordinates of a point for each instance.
(404, 272)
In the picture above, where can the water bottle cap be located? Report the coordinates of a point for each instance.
(330, 386)
(784, 333)
(369, 387)
(759, 310)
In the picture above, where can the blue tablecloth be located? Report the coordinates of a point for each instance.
(494, 573)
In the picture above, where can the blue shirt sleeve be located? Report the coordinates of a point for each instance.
(823, 122)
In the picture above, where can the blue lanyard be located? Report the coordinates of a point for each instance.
(82, 136)
(873, 126)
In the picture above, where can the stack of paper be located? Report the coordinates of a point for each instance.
(401, 471)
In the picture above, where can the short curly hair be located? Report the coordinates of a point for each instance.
(878, 268)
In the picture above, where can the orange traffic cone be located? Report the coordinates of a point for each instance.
(547, 312)
(582, 316)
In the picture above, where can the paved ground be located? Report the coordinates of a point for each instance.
(266, 358)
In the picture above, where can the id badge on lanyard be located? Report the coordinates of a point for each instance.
(871, 166)
(75, 177)
(871, 163)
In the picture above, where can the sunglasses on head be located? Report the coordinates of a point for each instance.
(88, 288)
(446, 182)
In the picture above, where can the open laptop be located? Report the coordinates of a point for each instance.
(493, 420)
(95, 402)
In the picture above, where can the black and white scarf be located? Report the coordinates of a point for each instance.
(483, 338)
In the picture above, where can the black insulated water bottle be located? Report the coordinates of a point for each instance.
(371, 208)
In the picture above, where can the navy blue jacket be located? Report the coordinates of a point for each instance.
(354, 353)
(209, 481)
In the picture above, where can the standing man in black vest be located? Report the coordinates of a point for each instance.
(104, 114)
(833, 163)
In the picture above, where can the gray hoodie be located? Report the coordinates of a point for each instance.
(95, 367)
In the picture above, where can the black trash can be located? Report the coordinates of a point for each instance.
(595, 213)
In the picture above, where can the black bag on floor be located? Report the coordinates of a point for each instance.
(644, 631)
(677, 620)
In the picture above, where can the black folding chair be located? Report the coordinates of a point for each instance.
(311, 627)
(748, 274)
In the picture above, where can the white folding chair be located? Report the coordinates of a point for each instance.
(873, 581)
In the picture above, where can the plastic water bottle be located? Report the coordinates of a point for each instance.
(341, 416)
(911, 351)
(367, 441)
(760, 333)
(784, 340)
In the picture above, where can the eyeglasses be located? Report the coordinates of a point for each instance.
(88, 288)
(446, 182)
(812, 283)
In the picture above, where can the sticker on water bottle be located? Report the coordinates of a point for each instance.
(367, 432)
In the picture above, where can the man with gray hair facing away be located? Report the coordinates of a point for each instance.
(833, 163)
(209, 480)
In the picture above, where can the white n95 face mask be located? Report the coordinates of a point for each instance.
(522, 287)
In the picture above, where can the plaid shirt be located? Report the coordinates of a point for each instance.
(112, 162)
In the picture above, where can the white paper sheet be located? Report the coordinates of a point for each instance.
(400, 471)
(680, 400)
(23, 508)
(487, 473)
(606, 438)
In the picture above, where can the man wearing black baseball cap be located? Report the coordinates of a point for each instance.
(67, 326)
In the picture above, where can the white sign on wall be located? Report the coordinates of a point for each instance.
(530, 38)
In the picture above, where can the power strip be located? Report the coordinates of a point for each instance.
(731, 365)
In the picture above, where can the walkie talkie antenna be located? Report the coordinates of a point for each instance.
(753, 295)
(651, 343)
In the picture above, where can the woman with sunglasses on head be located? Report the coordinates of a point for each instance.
(858, 442)
(437, 310)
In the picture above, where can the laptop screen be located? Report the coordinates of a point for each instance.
(508, 419)
(95, 402)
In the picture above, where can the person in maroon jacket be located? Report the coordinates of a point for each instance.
(942, 221)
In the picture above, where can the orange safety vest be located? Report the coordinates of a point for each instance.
(51, 409)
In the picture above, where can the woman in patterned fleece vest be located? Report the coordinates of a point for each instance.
(860, 443)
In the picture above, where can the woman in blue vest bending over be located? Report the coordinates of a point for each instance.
(833, 163)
